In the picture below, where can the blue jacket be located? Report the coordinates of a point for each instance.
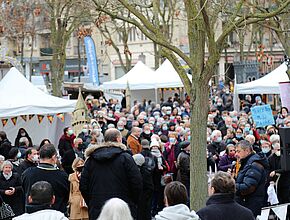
(250, 183)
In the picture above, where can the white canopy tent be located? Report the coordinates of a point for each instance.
(139, 77)
(268, 84)
(167, 77)
(21, 98)
(144, 82)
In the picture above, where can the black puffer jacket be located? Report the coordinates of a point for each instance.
(251, 180)
(183, 163)
(109, 172)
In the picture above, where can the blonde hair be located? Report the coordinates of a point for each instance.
(115, 209)
(75, 163)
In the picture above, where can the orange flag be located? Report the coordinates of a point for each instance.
(4, 121)
(60, 116)
(40, 118)
(14, 120)
(50, 118)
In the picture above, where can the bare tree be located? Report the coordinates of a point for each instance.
(120, 29)
(65, 17)
(201, 17)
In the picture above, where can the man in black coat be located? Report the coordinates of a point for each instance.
(47, 171)
(31, 159)
(251, 179)
(110, 172)
(221, 204)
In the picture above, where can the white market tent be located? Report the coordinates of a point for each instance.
(144, 82)
(167, 77)
(139, 77)
(19, 97)
(268, 84)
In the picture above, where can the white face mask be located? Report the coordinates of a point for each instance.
(278, 153)
(35, 158)
(147, 132)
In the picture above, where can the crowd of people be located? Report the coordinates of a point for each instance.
(136, 163)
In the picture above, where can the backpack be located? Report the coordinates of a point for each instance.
(149, 163)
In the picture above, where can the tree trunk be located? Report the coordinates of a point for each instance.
(156, 56)
(31, 55)
(199, 112)
(22, 50)
(57, 71)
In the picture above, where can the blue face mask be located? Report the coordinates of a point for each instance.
(18, 155)
(219, 139)
(172, 140)
(239, 135)
(188, 138)
(265, 150)
(164, 128)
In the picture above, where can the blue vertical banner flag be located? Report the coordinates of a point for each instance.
(92, 60)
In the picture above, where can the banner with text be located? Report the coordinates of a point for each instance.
(92, 60)
(262, 115)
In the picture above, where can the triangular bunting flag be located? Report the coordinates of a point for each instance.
(14, 120)
(4, 121)
(24, 117)
(281, 211)
(264, 214)
(40, 118)
(30, 116)
(50, 118)
(60, 116)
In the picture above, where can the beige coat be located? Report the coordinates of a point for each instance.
(76, 200)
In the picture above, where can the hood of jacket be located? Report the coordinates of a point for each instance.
(177, 212)
(256, 157)
(105, 151)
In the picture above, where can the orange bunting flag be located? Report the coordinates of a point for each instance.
(14, 120)
(40, 118)
(24, 117)
(60, 116)
(30, 116)
(50, 118)
(4, 121)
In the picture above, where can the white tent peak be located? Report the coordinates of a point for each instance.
(136, 78)
(21, 97)
(268, 84)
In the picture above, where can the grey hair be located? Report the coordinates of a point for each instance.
(115, 209)
(244, 144)
(23, 140)
(274, 138)
(5, 163)
(214, 133)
